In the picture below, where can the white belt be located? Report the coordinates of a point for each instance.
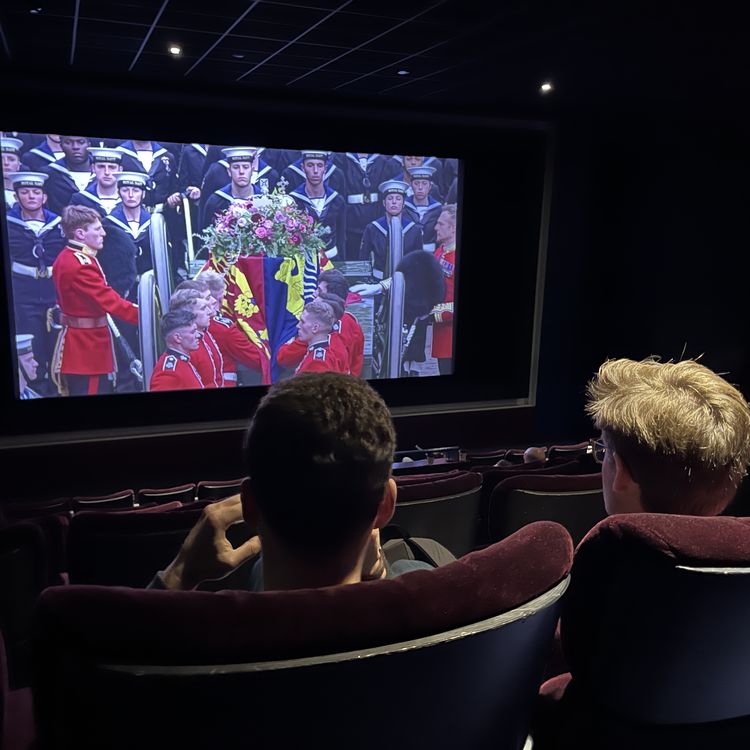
(360, 199)
(32, 271)
(429, 247)
(231, 376)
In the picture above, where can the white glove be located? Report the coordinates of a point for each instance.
(367, 290)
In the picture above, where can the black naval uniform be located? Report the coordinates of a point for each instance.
(140, 234)
(90, 198)
(60, 187)
(362, 197)
(190, 172)
(280, 158)
(332, 214)
(32, 254)
(162, 173)
(35, 159)
(294, 174)
(426, 217)
(375, 244)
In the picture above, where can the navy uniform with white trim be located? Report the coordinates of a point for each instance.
(44, 153)
(11, 157)
(424, 209)
(101, 193)
(152, 159)
(34, 241)
(362, 172)
(244, 181)
(263, 177)
(320, 200)
(191, 168)
(408, 162)
(27, 366)
(131, 217)
(69, 175)
(375, 237)
(280, 158)
(333, 177)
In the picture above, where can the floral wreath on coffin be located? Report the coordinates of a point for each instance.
(269, 225)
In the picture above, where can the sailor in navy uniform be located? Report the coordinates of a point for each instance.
(154, 160)
(375, 238)
(263, 176)
(101, 193)
(320, 200)
(409, 162)
(422, 207)
(131, 217)
(449, 180)
(69, 175)
(362, 173)
(191, 168)
(11, 152)
(44, 153)
(241, 162)
(34, 241)
(27, 366)
(333, 177)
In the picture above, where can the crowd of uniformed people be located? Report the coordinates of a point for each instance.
(75, 284)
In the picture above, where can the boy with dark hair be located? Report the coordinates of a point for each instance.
(318, 452)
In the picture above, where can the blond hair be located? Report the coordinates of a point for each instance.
(215, 283)
(674, 414)
(322, 312)
(75, 217)
(451, 209)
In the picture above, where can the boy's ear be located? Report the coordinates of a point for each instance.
(387, 505)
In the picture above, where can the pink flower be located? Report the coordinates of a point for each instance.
(295, 239)
(257, 218)
(278, 216)
(261, 232)
(268, 224)
(291, 223)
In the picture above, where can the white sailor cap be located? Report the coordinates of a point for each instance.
(313, 154)
(240, 153)
(132, 179)
(111, 155)
(28, 179)
(393, 186)
(11, 145)
(421, 173)
(23, 343)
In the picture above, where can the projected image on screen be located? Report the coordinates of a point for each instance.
(145, 266)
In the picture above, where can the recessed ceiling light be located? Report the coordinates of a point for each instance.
(175, 49)
(546, 88)
(238, 56)
(403, 72)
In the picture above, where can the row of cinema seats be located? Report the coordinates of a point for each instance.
(653, 611)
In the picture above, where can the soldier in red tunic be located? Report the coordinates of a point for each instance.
(84, 355)
(314, 328)
(293, 351)
(334, 282)
(235, 346)
(174, 371)
(442, 328)
(207, 358)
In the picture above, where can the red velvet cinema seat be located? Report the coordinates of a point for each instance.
(441, 659)
(115, 501)
(184, 493)
(655, 631)
(218, 489)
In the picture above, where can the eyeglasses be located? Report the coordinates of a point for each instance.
(598, 450)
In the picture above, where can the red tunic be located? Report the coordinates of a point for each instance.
(293, 352)
(351, 332)
(174, 372)
(209, 361)
(322, 358)
(442, 329)
(235, 348)
(85, 345)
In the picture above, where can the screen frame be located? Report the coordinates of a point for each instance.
(337, 126)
